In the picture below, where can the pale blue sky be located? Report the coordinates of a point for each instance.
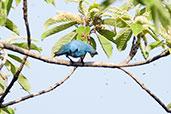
(89, 90)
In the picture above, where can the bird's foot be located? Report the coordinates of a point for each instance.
(71, 62)
(82, 61)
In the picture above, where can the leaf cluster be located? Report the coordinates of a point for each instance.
(114, 25)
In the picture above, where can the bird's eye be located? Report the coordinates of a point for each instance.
(76, 50)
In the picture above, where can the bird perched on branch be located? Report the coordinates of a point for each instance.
(75, 48)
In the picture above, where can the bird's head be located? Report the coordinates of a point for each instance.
(73, 52)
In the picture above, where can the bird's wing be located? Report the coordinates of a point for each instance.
(90, 49)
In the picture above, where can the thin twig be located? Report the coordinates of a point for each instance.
(41, 92)
(25, 57)
(5, 57)
(146, 89)
(86, 64)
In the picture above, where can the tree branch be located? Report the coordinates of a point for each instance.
(86, 64)
(5, 57)
(41, 92)
(146, 89)
(25, 57)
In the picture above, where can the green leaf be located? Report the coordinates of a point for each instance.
(17, 1)
(3, 13)
(8, 5)
(11, 67)
(93, 44)
(107, 34)
(67, 38)
(2, 111)
(22, 80)
(87, 30)
(152, 46)
(82, 8)
(1, 85)
(118, 22)
(97, 9)
(50, 2)
(168, 6)
(159, 12)
(63, 17)
(106, 3)
(32, 46)
(57, 29)
(106, 45)
(18, 59)
(7, 111)
(82, 33)
(12, 38)
(122, 38)
(11, 26)
(129, 5)
(136, 28)
(169, 106)
(2, 20)
(142, 51)
(79, 31)
(169, 50)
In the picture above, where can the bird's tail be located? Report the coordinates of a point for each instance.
(92, 51)
(57, 54)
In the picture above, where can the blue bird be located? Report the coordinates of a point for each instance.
(75, 48)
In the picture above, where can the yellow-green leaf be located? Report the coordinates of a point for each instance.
(7, 111)
(11, 26)
(106, 45)
(136, 28)
(152, 46)
(93, 44)
(122, 38)
(169, 106)
(32, 46)
(1, 85)
(22, 80)
(63, 17)
(18, 59)
(79, 31)
(50, 2)
(107, 34)
(17, 1)
(8, 5)
(57, 29)
(129, 5)
(118, 22)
